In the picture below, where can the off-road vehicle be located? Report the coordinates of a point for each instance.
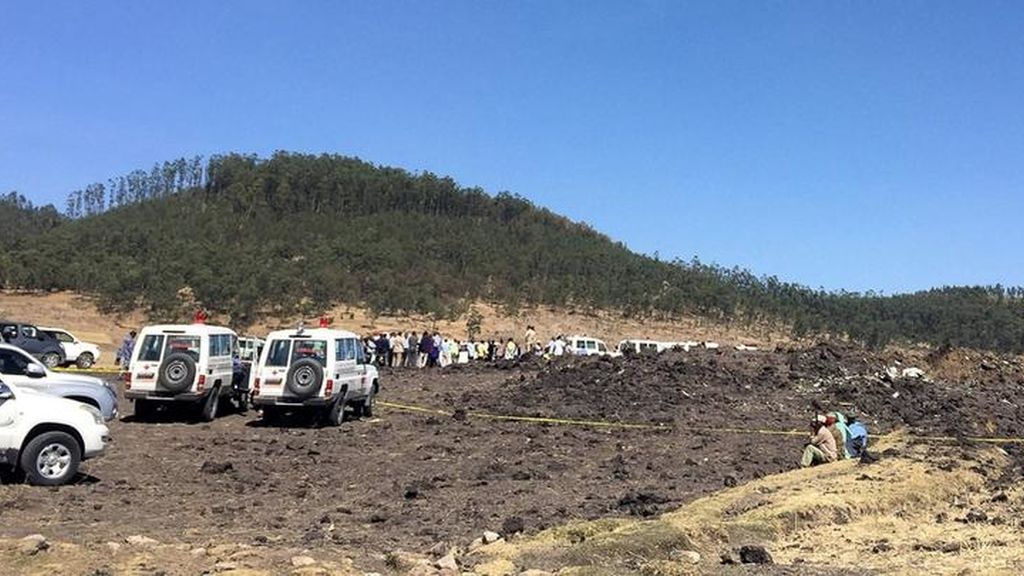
(182, 363)
(321, 370)
(47, 437)
(34, 341)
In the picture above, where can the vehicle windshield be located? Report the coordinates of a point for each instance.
(316, 349)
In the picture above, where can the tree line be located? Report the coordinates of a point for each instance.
(247, 237)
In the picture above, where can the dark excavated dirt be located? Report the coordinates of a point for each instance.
(410, 480)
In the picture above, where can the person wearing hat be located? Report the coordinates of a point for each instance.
(836, 424)
(822, 447)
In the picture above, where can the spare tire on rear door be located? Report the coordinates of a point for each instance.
(304, 377)
(177, 372)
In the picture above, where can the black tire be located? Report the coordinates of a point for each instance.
(336, 413)
(51, 459)
(177, 372)
(304, 377)
(51, 359)
(369, 404)
(144, 409)
(209, 410)
(85, 360)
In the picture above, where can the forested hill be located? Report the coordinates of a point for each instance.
(245, 236)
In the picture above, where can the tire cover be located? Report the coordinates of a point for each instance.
(177, 372)
(304, 377)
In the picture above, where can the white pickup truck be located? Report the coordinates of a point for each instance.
(47, 437)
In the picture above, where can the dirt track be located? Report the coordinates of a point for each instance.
(410, 480)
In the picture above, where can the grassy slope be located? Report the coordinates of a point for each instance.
(891, 506)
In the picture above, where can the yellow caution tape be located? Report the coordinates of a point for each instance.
(89, 370)
(706, 429)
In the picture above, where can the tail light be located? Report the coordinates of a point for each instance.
(329, 388)
(256, 387)
(202, 382)
(127, 380)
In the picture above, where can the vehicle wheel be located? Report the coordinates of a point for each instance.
(51, 459)
(85, 361)
(177, 372)
(144, 409)
(51, 359)
(336, 414)
(209, 411)
(304, 377)
(369, 404)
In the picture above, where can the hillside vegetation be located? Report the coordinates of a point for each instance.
(296, 234)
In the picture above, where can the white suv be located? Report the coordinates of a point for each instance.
(183, 363)
(81, 354)
(586, 346)
(47, 437)
(320, 369)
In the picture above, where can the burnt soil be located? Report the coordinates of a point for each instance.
(412, 479)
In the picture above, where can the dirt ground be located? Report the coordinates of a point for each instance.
(414, 480)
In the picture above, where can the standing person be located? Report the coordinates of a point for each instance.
(397, 350)
(435, 350)
(529, 340)
(383, 350)
(412, 350)
(124, 353)
(426, 344)
(822, 447)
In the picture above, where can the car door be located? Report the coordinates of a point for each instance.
(347, 371)
(8, 422)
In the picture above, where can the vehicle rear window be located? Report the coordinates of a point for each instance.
(278, 354)
(186, 344)
(149, 351)
(316, 349)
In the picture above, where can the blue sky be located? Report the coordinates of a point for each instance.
(868, 145)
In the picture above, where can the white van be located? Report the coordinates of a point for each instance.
(320, 369)
(181, 363)
(585, 346)
(642, 346)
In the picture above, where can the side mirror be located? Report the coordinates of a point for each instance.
(5, 392)
(35, 371)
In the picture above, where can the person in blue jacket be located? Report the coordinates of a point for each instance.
(857, 439)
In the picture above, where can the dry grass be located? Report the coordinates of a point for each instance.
(899, 516)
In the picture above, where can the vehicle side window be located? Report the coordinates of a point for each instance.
(601, 347)
(591, 345)
(279, 351)
(63, 337)
(149, 351)
(9, 331)
(12, 363)
(346, 350)
(360, 353)
(28, 331)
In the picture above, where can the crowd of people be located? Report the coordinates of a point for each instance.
(835, 436)
(431, 349)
